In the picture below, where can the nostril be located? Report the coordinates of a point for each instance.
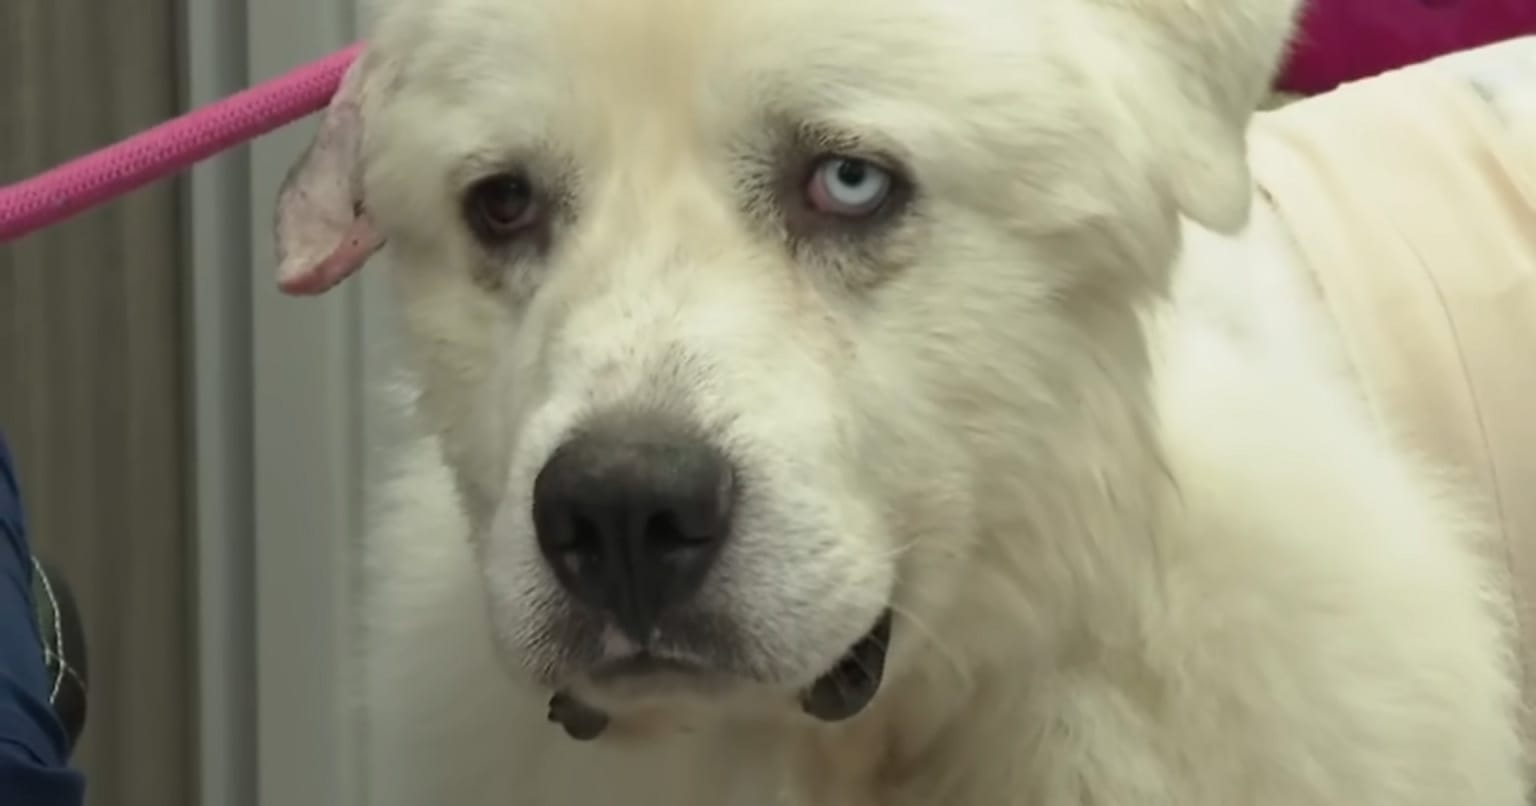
(576, 547)
(663, 532)
(668, 531)
(586, 536)
(580, 549)
(702, 515)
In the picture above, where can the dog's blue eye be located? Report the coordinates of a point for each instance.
(848, 186)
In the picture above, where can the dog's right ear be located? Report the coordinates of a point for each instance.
(324, 232)
(1201, 69)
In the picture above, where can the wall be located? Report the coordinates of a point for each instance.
(92, 378)
(281, 414)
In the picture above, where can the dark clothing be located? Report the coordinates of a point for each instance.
(34, 765)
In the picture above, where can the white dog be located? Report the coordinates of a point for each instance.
(879, 403)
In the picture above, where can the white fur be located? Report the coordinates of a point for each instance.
(1145, 547)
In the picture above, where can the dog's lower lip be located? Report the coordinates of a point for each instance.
(643, 665)
(845, 690)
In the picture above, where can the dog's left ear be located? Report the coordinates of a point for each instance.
(324, 232)
(1220, 58)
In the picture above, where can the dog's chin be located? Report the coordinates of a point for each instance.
(643, 684)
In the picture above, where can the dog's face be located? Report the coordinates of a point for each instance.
(746, 326)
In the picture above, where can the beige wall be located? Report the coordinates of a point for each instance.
(91, 344)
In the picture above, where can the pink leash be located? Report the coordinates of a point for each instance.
(170, 147)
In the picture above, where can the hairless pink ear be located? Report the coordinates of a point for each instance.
(324, 233)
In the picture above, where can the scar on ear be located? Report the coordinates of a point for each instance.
(324, 232)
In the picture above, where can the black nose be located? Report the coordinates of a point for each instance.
(631, 513)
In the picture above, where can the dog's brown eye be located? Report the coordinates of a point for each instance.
(500, 207)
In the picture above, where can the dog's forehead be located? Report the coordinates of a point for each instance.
(633, 95)
(569, 49)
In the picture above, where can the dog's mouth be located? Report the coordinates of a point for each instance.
(840, 694)
(850, 686)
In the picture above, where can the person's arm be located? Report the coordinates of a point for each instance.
(34, 767)
(1340, 41)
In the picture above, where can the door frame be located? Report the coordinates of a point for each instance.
(279, 421)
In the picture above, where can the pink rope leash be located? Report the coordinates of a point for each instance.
(75, 186)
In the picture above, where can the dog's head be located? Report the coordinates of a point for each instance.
(750, 327)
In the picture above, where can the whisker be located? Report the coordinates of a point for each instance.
(943, 649)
